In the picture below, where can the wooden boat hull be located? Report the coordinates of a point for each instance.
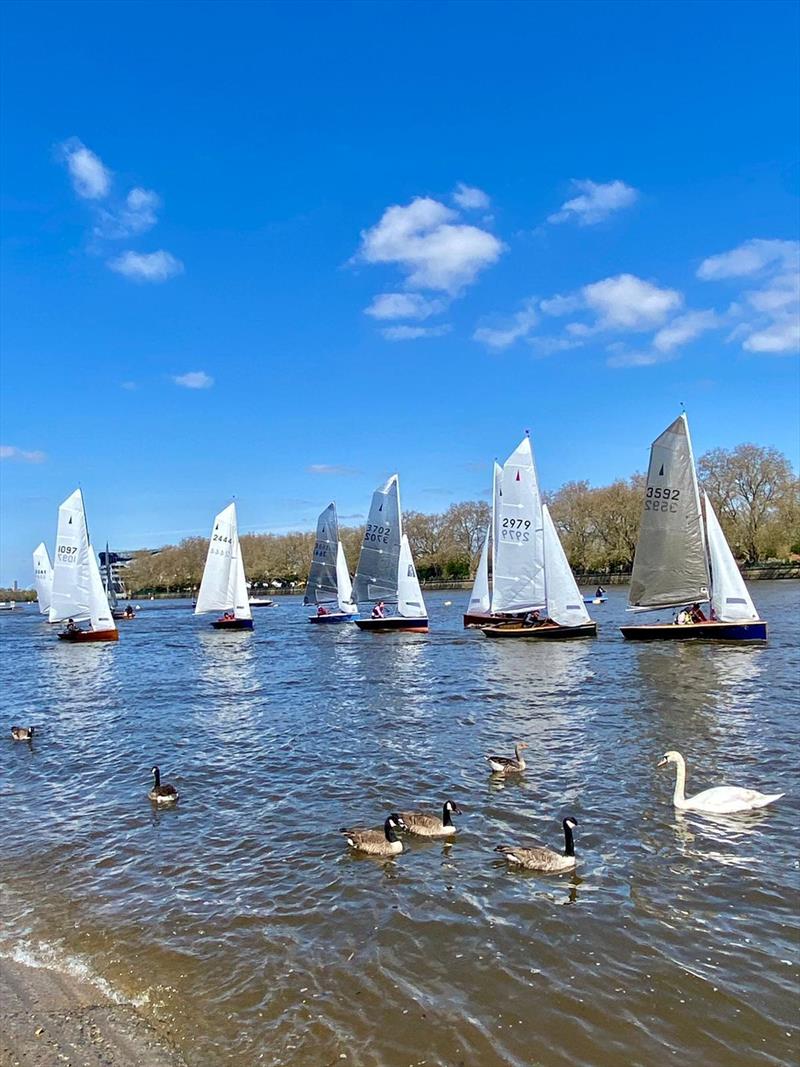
(540, 633)
(481, 618)
(79, 637)
(697, 631)
(394, 624)
(233, 624)
(332, 618)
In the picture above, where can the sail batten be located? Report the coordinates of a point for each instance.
(670, 565)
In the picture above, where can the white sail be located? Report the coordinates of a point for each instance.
(223, 586)
(43, 577)
(343, 584)
(376, 573)
(564, 602)
(729, 596)
(99, 610)
(480, 599)
(518, 580)
(70, 597)
(497, 496)
(409, 595)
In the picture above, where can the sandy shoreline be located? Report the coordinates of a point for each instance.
(49, 1018)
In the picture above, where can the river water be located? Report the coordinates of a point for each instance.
(241, 926)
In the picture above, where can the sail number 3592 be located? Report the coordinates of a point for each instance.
(661, 499)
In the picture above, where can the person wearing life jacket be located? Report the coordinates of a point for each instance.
(379, 611)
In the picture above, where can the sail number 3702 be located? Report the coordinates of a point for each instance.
(376, 534)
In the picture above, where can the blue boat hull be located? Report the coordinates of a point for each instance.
(699, 631)
(332, 618)
(233, 624)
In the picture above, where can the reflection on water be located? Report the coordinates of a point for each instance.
(241, 922)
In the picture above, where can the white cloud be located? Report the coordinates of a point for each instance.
(413, 333)
(403, 306)
(470, 198)
(770, 312)
(749, 258)
(12, 452)
(629, 303)
(147, 266)
(637, 359)
(596, 202)
(504, 334)
(426, 240)
(136, 215)
(561, 305)
(129, 386)
(91, 179)
(194, 379)
(684, 328)
(331, 468)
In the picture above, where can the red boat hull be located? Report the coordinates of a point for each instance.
(79, 637)
(394, 624)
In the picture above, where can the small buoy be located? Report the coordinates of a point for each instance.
(448, 603)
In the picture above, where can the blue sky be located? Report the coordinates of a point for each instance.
(280, 251)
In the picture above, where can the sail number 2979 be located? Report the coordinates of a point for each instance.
(515, 530)
(661, 499)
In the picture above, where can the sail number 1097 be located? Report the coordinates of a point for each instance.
(661, 499)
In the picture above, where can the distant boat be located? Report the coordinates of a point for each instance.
(329, 586)
(595, 599)
(7, 605)
(223, 586)
(78, 594)
(385, 572)
(260, 602)
(565, 613)
(479, 611)
(682, 557)
(116, 611)
(43, 577)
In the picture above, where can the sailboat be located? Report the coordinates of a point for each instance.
(116, 611)
(223, 586)
(77, 591)
(43, 577)
(682, 557)
(531, 572)
(385, 572)
(329, 586)
(478, 611)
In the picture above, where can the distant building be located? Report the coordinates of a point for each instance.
(119, 561)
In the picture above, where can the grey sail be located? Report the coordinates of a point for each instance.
(111, 592)
(670, 567)
(322, 585)
(376, 574)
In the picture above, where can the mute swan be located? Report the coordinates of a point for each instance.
(376, 842)
(721, 800)
(544, 859)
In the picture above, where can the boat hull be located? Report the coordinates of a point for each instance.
(541, 633)
(394, 624)
(698, 631)
(262, 603)
(233, 624)
(595, 599)
(121, 615)
(332, 618)
(80, 637)
(481, 618)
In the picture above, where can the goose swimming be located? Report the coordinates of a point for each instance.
(162, 794)
(544, 859)
(376, 842)
(421, 824)
(22, 733)
(509, 764)
(719, 800)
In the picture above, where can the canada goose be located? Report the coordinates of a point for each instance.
(373, 842)
(22, 733)
(544, 859)
(162, 794)
(509, 764)
(720, 800)
(422, 824)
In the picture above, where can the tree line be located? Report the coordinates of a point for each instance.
(754, 491)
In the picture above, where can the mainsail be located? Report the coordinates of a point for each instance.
(729, 596)
(71, 576)
(481, 599)
(670, 566)
(376, 573)
(329, 578)
(409, 595)
(223, 586)
(518, 580)
(564, 602)
(43, 577)
(110, 591)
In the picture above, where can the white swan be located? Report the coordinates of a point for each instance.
(721, 800)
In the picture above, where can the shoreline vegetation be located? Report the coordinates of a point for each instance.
(48, 1016)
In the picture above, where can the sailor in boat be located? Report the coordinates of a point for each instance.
(688, 616)
(129, 612)
(379, 611)
(228, 616)
(72, 627)
(322, 610)
(600, 591)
